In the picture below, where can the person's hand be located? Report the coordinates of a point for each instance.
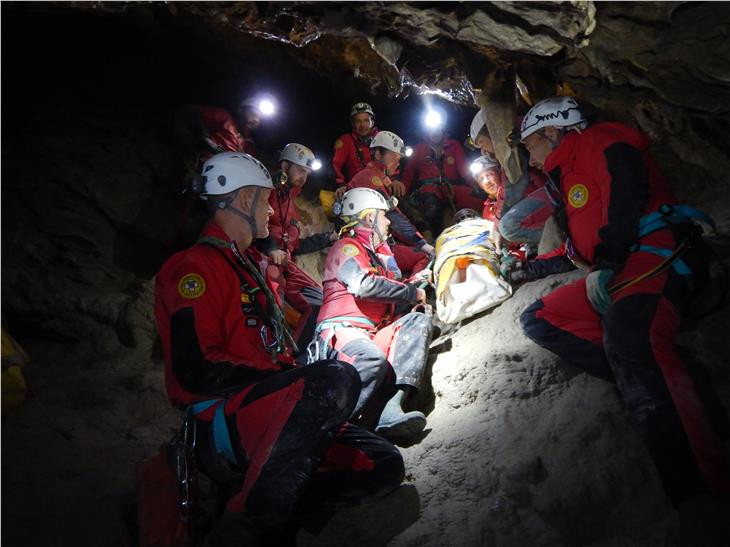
(279, 257)
(398, 188)
(428, 249)
(423, 276)
(515, 271)
(334, 236)
(420, 296)
(340, 192)
(597, 289)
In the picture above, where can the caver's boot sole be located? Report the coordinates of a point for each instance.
(406, 428)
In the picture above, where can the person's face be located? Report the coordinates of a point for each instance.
(485, 144)
(540, 144)
(435, 136)
(380, 225)
(297, 174)
(263, 212)
(391, 160)
(249, 117)
(488, 180)
(362, 124)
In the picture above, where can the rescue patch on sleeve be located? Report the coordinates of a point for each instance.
(578, 195)
(450, 160)
(191, 286)
(338, 143)
(350, 250)
(376, 181)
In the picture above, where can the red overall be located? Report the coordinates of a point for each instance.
(218, 322)
(608, 182)
(408, 239)
(357, 322)
(224, 132)
(351, 155)
(445, 178)
(300, 291)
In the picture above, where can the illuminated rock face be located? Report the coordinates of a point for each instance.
(522, 451)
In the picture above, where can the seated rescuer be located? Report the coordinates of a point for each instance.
(524, 222)
(412, 252)
(352, 150)
(227, 361)
(645, 259)
(437, 177)
(301, 292)
(524, 205)
(358, 321)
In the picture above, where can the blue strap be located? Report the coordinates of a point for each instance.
(221, 437)
(671, 214)
(338, 319)
(678, 264)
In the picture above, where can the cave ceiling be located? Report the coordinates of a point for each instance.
(662, 66)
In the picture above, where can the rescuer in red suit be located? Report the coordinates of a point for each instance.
(352, 150)
(437, 177)
(524, 221)
(361, 321)
(411, 250)
(299, 290)
(645, 259)
(272, 429)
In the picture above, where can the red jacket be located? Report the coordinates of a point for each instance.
(284, 225)
(360, 282)
(494, 208)
(608, 182)
(350, 156)
(373, 176)
(424, 168)
(211, 314)
(222, 129)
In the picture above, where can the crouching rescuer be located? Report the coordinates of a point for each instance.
(275, 434)
(366, 320)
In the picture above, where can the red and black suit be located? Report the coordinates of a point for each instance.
(351, 155)
(300, 291)
(278, 429)
(359, 321)
(409, 240)
(608, 183)
(438, 179)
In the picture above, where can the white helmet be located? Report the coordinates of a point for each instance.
(301, 155)
(552, 112)
(389, 141)
(229, 171)
(482, 163)
(357, 200)
(357, 108)
(477, 124)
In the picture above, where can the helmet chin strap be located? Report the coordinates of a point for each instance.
(376, 230)
(251, 219)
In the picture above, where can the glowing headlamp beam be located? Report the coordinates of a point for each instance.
(433, 119)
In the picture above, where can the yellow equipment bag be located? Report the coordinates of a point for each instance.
(327, 198)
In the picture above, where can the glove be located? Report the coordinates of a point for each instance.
(506, 263)
(519, 272)
(597, 290)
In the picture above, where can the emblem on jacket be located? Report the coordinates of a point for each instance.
(350, 250)
(377, 181)
(191, 286)
(338, 143)
(450, 160)
(578, 195)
